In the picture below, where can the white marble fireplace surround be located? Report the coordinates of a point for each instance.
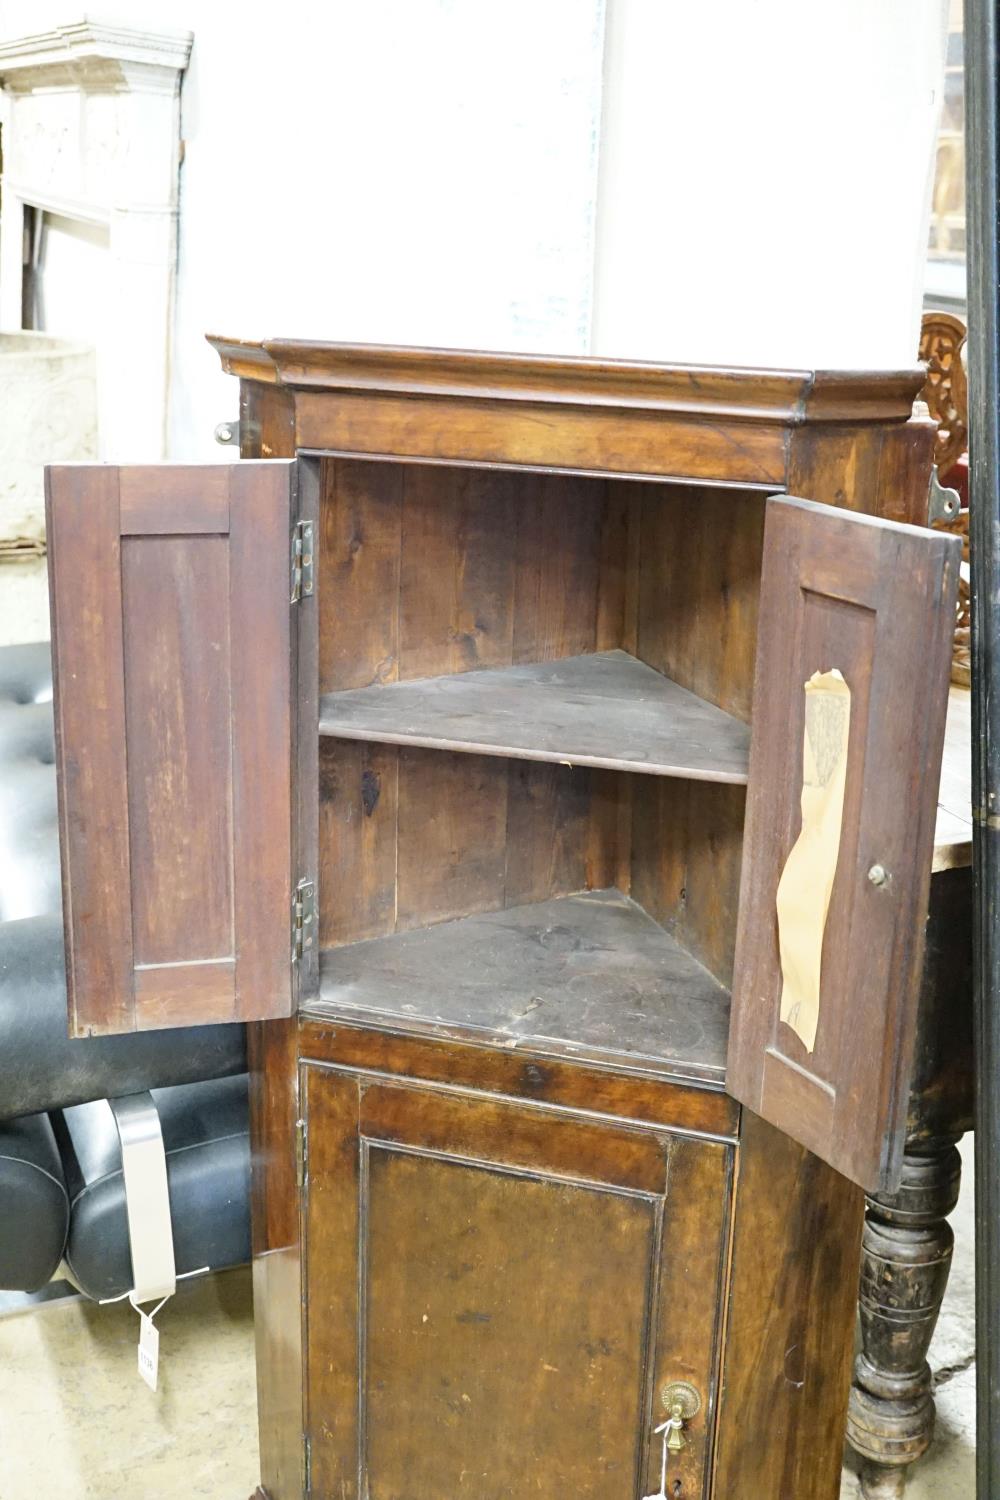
(91, 130)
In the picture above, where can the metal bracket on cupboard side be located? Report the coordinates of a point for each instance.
(943, 504)
(237, 433)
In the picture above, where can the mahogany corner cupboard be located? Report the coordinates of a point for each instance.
(543, 756)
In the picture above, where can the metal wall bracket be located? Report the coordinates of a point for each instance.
(943, 504)
(147, 1199)
(239, 432)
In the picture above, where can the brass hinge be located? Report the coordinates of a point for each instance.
(302, 560)
(306, 1464)
(303, 917)
(301, 1153)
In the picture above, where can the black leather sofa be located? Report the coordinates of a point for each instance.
(62, 1191)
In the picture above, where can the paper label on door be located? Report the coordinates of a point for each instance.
(149, 1350)
(803, 897)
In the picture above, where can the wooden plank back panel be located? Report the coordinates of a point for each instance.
(686, 846)
(426, 570)
(172, 644)
(698, 589)
(456, 580)
(875, 600)
(413, 836)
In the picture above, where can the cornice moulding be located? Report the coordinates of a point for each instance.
(90, 49)
(767, 397)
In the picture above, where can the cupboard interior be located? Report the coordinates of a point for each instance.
(426, 572)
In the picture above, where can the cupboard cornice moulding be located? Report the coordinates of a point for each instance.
(612, 418)
(778, 397)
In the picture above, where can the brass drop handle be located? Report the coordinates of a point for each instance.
(681, 1401)
(676, 1441)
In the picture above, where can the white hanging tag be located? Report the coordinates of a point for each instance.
(149, 1342)
(149, 1350)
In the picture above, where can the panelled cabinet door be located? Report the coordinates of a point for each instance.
(497, 1294)
(835, 880)
(175, 654)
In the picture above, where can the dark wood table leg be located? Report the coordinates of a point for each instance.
(905, 1260)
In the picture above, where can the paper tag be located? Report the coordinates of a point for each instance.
(149, 1350)
(806, 884)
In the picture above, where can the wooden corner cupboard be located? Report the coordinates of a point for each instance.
(456, 740)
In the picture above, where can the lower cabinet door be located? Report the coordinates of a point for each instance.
(498, 1295)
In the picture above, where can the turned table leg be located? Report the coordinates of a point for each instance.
(905, 1260)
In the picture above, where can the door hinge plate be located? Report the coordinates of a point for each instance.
(306, 1464)
(301, 1153)
(302, 560)
(303, 918)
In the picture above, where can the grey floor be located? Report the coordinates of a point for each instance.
(76, 1422)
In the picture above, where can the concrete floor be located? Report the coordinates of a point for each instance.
(76, 1422)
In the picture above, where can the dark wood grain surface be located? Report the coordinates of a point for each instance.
(88, 667)
(591, 976)
(414, 836)
(447, 546)
(173, 645)
(168, 825)
(605, 709)
(881, 468)
(617, 418)
(496, 1284)
(272, 1057)
(875, 600)
(267, 430)
(793, 1291)
(438, 570)
(604, 1088)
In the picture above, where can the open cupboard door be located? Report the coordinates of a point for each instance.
(182, 671)
(836, 872)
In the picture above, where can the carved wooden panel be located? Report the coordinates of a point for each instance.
(945, 389)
